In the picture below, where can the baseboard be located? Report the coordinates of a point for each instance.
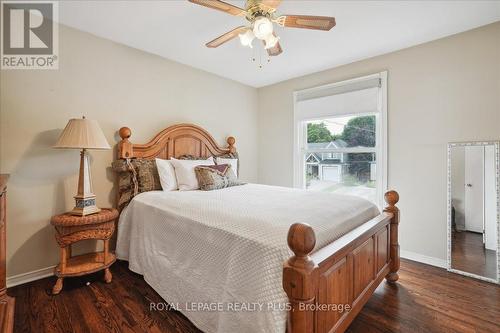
(49, 271)
(29, 276)
(423, 259)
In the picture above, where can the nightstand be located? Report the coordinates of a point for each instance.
(71, 229)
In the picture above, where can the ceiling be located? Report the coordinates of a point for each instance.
(178, 30)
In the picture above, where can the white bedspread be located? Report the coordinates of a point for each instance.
(226, 248)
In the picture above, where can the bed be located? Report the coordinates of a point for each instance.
(233, 260)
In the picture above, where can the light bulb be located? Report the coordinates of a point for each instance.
(246, 38)
(271, 41)
(262, 27)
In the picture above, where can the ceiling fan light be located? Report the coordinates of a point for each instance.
(262, 27)
(246, 38)
(271, 41)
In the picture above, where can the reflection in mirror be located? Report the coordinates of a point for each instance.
(473, 209)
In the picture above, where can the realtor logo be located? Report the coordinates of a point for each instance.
(29, 35)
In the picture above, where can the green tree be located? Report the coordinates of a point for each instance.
(360, 131)
(318, 133)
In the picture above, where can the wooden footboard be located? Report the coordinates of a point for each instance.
(328, 288)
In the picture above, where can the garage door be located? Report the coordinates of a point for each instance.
(331, 173)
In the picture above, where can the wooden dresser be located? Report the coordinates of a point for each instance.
(6, 302)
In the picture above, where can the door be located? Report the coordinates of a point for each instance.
(474, 188)
(331, 173)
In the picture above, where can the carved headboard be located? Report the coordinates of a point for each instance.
(174, 141)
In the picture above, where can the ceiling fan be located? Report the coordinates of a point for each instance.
(262, 14)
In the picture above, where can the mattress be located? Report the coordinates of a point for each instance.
(217, 256)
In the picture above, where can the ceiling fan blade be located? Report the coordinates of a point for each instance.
(307, 22)
(271, 4)
(222, 6)
(226, 37)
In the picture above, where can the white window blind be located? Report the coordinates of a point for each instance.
(357, 97)
(340, 88)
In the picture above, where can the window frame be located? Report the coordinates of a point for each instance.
(380, 149)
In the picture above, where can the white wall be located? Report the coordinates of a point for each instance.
(443, 91)
(118, 86)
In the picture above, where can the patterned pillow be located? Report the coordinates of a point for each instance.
(125, 189)
(224, 156)
(215, 177)
(233, 162)
(223, 159)
(189, 157)
(147, 175)
(135, 176)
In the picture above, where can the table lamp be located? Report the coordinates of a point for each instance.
(83, 134)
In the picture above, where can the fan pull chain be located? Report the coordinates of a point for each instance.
(254, 57)
(260, 60)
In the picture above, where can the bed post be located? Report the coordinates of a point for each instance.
(124, 146)
(392, 198)
(299, 279)
(230, 144)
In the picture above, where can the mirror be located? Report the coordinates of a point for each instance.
(473, 209)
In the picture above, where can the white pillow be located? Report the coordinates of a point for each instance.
(233, 162)
(184, 172)
(166, 172)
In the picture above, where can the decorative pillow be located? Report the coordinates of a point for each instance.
(184, 172)
(135, 176)
(215, 177)
(166, 173)
(125, 188)
(147, 175)
(233, 162)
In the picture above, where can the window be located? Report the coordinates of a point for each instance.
(340, 138)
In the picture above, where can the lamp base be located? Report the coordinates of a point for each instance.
(85, 206)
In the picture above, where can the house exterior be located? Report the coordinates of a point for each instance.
(332, 167)
(326, 166)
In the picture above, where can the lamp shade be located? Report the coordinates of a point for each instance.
(82, 133)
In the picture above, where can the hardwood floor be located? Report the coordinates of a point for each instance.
(469, 255)
(426, 299)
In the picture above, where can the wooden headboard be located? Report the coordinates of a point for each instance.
(174, 141)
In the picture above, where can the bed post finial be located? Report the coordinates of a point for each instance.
(300, 278)
(231, 141)
(125, 133)
(301, 239)
(124, 146)
(392, 198)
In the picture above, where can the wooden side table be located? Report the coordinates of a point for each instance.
(71, 229)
